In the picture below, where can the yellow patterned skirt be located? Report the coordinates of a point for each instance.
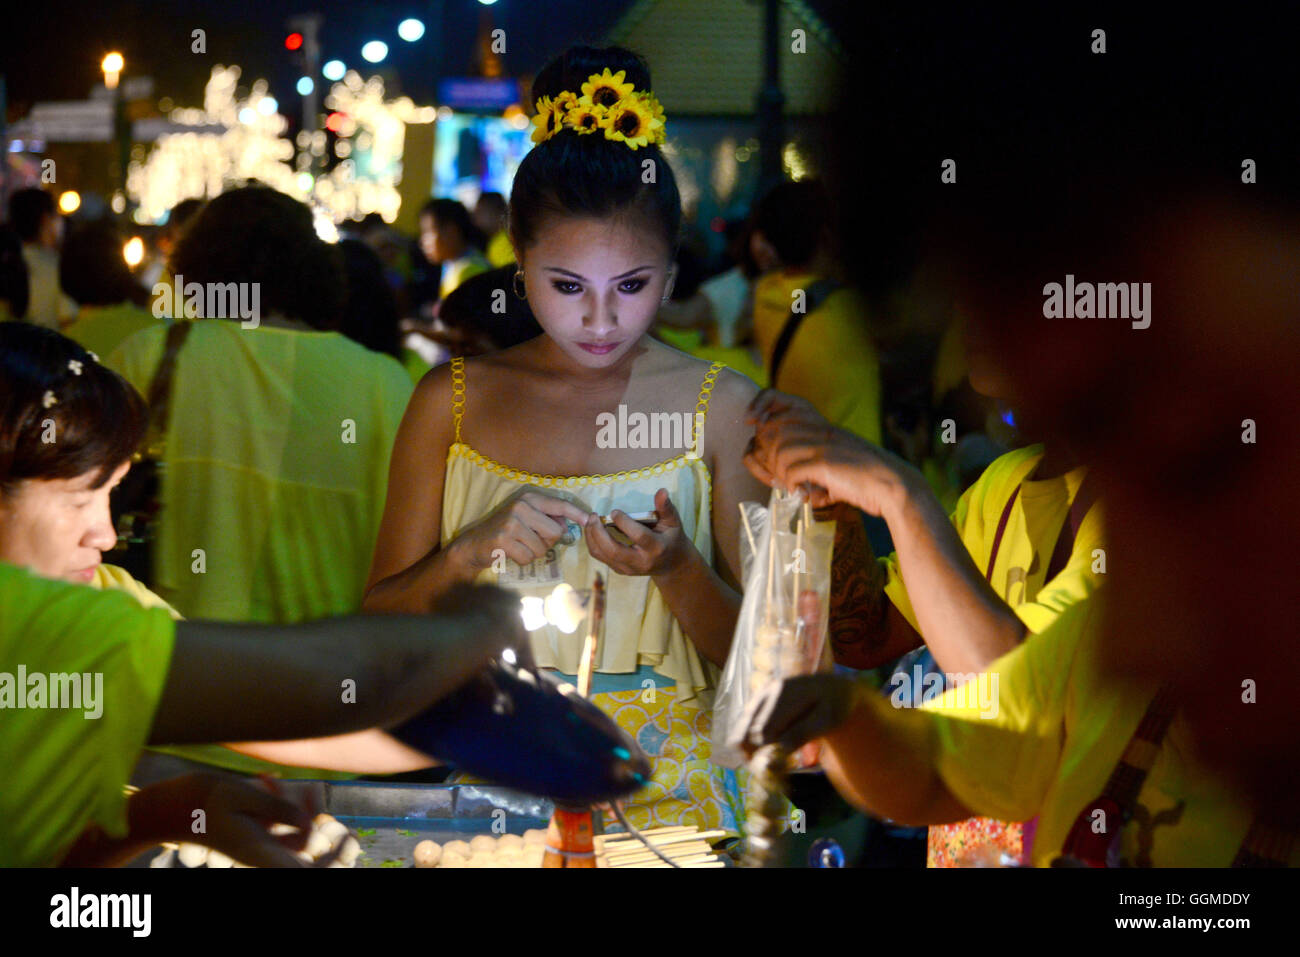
(685, 787)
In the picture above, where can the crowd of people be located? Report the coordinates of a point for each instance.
(228, 509)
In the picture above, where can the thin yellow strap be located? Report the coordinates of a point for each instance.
(702, 406)
(457, 393)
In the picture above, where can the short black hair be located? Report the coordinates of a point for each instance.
(181, 214)
(92, 270)
(794, 217)
(449, 211)
(574, 174)
(491, 200)
(28, 208)
(98, 419)
(255, 234)
(370, 313)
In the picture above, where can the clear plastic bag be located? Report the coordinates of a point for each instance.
(781, 632)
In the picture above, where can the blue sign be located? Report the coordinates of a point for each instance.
(477, 93)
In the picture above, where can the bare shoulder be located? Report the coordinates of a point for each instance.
(732, 394)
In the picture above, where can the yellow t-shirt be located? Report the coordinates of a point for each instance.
(63, 770)
(110, 577)
(1049, 734)
(499, 250)
(831, 361)
(456, 271)
(1040, 512)
(276, 468)
(101, 329)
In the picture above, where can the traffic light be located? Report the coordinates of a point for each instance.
(293, 41)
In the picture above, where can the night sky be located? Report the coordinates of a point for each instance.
(51, 50)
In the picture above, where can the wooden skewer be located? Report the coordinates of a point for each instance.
(659, 840)
(686, 853)
(670, 848)
(652, 832)
(588, 665)
(706, 860)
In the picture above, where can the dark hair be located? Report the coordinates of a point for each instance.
(92, 270)
(370, 313)
(254, 234)
(794, 218)
(14, 287)
(180, 216)
(491, 200)
(28, 208)
(449, 211)
(98, 418)
(472, 307)
(582, 174)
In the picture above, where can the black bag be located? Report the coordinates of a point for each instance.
(136, 501)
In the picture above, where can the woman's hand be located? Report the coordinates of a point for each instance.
(653, 551)
(794, 447)
(795, 711)
(522, 529)
(236, 816)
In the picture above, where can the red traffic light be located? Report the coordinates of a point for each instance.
(334, 122)
(293, 41)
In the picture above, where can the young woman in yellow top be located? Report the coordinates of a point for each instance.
(504, 464)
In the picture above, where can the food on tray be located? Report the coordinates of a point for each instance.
(326, 833)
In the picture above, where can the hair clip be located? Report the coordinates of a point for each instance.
(49, 399)
(74, 366)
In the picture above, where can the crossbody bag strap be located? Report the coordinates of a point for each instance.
(160, 387)
(1083, 501)
(817, 293)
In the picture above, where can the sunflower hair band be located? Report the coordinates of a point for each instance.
(606, 104)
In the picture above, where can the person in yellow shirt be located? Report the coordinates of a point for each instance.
(810, 329)
(1022, 546)
(1043, 732)
(55, 523)
(448, 236)
(55, 518)
(490, 220)
(279, 430)
(145, 679)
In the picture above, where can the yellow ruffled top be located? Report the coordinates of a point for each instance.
(639, 628)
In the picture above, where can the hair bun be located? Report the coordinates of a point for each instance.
(570, 70)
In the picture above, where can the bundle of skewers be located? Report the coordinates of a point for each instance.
(684, 846)
(781, 633)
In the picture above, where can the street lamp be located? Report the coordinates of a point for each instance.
(112, 67)
(410, 30)
(374, 51)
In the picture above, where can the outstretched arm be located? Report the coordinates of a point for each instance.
(253, 682)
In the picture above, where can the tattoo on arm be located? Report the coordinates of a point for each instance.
(857, 601)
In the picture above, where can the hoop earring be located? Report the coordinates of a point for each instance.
(516, 283)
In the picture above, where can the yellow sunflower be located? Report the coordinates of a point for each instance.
(606, 89)
(543, 120)
(659, 122)
(585, 117)
(632, 122)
